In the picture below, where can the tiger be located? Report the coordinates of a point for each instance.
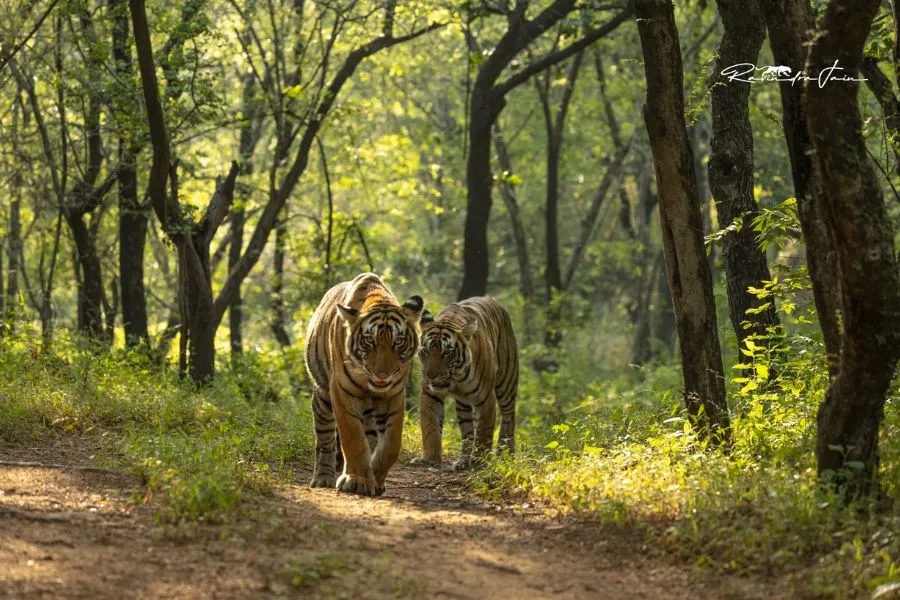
(468, 350)
(360, 343)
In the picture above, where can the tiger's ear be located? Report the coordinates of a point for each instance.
(470, 328)
(412, 308)
(427, 317)
(348, 314)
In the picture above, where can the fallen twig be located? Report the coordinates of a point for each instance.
(480, 562)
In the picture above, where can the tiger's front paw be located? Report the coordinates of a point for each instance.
(421, 461)
(354, 484)
(323, 480)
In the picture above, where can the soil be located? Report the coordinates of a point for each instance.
(69, 530)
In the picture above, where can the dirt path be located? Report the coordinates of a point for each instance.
(79, 533)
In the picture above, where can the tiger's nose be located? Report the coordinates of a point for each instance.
(384, 373)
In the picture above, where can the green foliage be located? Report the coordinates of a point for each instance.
(199, 451)
(622, 450)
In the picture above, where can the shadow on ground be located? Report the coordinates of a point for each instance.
(67, 532)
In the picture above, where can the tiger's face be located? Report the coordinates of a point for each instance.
(382, 340)
(445, 353)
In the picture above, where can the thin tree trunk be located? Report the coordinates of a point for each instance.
(250, 135)
(789, 24)
(850, 417)
(484, 111)
(278, 316)
(507, 192)
(3, 245)
(14, 253)
(236, 308)
(90, 300)
(664, 328)
(132, 216)
(698, 134)
(132, 241)
(686, 266)
(731, 169)
(555, 130)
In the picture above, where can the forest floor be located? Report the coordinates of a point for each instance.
(69, 530)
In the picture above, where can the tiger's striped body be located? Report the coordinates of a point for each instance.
(359, 346)
(469, 351)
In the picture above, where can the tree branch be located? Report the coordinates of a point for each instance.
(7, 55)
(589, 226)
(504, 87)
(270, 213)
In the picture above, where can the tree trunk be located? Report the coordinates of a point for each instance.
(644, 256)
(552, 275)
(2, 284)
(132, 216)
(698, 135)
(132, 240)
(236, 308)
(789, 24)
(688, 272)
(731, 169)
(664, 328)
(526, 284)
(278, 318)
(850, 416)
(90, 292)
(14, 252)
(199, 321)
(476, 266)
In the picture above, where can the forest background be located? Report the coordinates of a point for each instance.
(161, 258)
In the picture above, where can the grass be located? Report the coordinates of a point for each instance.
(609, 446)
(624, 454)
(198, 450)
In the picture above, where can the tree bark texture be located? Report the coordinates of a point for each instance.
(789, 23)
(850, 416)
(236, 308)
(278, 316)
(731, 168)
(686, 267)
(132, 215)
(90, 291)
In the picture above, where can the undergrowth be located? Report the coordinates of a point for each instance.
(625, 453)
(198, 450)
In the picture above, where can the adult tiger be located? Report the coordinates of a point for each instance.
(359, 346)
(469, 351)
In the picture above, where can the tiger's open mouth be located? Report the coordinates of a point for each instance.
(376, 383)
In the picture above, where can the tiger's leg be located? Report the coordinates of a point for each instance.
(390, 438)
(431, 419)
(466, 420)
(357, 477)
(485, 419)
(324, 474)
(507, 422)
(371, 430)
